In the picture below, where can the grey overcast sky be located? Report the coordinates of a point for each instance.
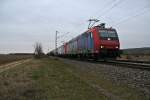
(23, 22)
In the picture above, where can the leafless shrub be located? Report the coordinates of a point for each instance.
(38, 50)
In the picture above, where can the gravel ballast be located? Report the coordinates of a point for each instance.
(135, 78)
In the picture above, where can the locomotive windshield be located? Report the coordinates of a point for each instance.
(105, 35)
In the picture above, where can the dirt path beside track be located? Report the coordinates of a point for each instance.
(12, 65)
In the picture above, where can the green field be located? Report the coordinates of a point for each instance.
(51, 79)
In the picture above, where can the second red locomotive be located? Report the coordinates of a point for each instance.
(97, 42)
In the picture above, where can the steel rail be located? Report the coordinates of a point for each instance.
(130, 64)
(118, 63)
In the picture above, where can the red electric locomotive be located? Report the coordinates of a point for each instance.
(106, 41)
(97, 42)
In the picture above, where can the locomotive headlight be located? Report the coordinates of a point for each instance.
(117, 47)
(102, 46)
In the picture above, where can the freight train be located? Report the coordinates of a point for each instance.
(97, 42)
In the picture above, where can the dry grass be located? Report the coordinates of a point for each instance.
(50, 79)
(15, 84)
(44, 79)
(135, 57)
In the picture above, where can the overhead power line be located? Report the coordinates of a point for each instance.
(110, 8)
(105, 6)
(63, 35)
(145, 10)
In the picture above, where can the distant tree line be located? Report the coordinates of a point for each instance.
(137, 51)
(21, 53)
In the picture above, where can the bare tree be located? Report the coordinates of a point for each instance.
(38, 53)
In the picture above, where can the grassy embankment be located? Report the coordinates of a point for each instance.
(50, 79)
(136, 54)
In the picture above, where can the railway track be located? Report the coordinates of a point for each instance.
(146, 62)
(121, 63)
(126, 63)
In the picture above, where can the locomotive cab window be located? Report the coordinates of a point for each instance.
(108, 34)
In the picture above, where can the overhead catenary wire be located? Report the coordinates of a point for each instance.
(60, 37)
(90, 22)
(63, 35)
(105, 5)
(117, 2)
(113, 5)
(144, 10)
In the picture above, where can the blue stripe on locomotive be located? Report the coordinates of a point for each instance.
(79, 44)
(90, 41)
(86, 42)
(82, 42)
